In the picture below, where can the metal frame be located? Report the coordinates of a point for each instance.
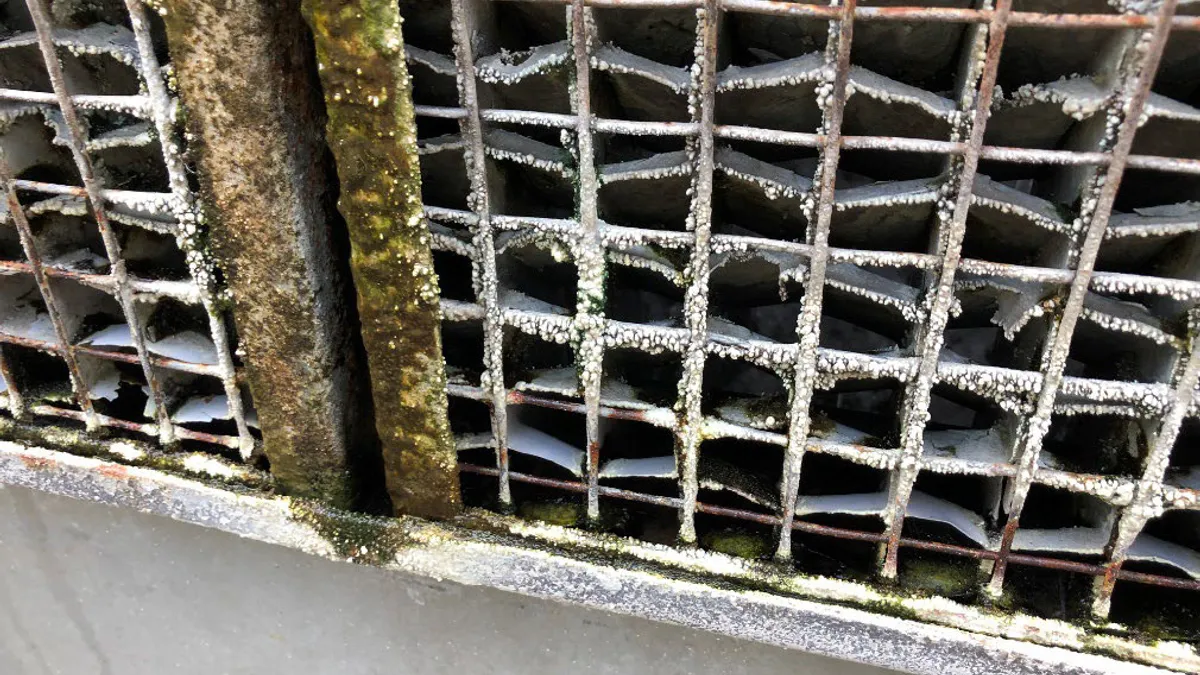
(172, 213)
(805, 362)
(312, 445)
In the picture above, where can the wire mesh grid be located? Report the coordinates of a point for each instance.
(112, 316)
(842, 274)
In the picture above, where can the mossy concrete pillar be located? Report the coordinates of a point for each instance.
(372, 132)
(255, 118)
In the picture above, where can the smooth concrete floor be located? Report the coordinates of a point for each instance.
(86, 589)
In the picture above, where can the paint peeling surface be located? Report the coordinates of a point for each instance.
(114, 316)
(845, 287)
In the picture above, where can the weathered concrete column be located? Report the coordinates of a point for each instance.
(372, 132)
(255, 119)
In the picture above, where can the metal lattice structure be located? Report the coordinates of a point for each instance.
(111, 314)
(614, 192)
(887, 301)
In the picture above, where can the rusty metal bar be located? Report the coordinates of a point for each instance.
(1148, 495)
(360, 55)
(1012, 383)
(63, 348)
(14, 397)
(1108, 491)
(1015, 155)
(484, 236)
(842, 533)
(77, 140)
(902, 14)
(588, 253)
(187, 215)
(149, 430)
(808, 323)
(122, 357)
(184, 292)
(1133, 90)
(932, 331)
(1112, 282)
(702, 103)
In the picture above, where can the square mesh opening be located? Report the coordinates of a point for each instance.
(952, 284)
(111, 319)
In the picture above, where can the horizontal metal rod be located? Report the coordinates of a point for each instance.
(844, 533)
(902, 14)
(122, 357)
(1012, 155)
(147, 429)
(109, 195)
(183, 291)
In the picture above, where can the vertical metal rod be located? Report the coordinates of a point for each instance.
(808, 324)
(162, 108)
(16, 401)
(1132, 99)
(1147, 497)
(589, 254)
(484, 239)
(916, 414)
(29, 245)
(77, 139)
(702, 103)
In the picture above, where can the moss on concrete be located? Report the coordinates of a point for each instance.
(254, 119)
(739, 543)
(561, 512)
(358, 538)
(938, 575)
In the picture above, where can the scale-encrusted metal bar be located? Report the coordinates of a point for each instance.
(187, 214)
(701, 103)
(487, 283)
(1147, 500)
(589, 252)
(1100, 193)
(1180, 165)
(819, 216)
(952, 228)
(76, 136)
(64, 348)
(1106, 282)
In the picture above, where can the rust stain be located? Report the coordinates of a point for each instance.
(37, 463)
(117, 471)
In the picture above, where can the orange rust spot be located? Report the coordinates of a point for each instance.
(113, 470)
(37, 462)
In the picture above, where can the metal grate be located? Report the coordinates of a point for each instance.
(111, 314)
(924, 277)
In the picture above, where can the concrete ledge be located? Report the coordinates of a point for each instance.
(645, 581)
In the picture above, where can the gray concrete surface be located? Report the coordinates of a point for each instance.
(86, 588)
